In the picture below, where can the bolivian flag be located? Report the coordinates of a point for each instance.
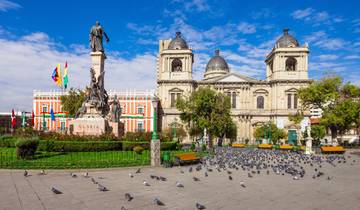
(66, 78)
(56, 76)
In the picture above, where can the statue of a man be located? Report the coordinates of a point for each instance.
(115, 110)
(96, 36)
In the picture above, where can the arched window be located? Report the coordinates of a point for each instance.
(260, 102)
(290, 64)
(176, 65)
(233, 100)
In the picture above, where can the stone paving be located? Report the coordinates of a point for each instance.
(215, 191)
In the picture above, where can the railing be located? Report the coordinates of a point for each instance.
(59, 160)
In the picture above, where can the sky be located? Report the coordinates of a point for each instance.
(36, 35)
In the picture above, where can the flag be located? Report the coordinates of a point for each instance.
(32, 118)
(44, 122)
(66, 78)
(13, 119)
(52, 114)
(56, 76)
(23, 118)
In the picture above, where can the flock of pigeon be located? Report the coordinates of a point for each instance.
(252, 162)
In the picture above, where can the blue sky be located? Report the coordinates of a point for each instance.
(36, 35)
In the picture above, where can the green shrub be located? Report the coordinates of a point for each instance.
(137, 136)
(7, 141)
(79, 146)
(203, 147)
(192, 147)
(26, 148)
(172, 145)
(138, 149)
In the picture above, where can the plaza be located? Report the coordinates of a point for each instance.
(215, 191)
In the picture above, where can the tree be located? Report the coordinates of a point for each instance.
(317, 133)
(266, 131)
(72, 101)
(206, 108)
(340, 103)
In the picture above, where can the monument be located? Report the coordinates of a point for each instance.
(94, 117)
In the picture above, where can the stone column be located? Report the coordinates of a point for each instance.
(308, 147)
(97, 59)
(155, 152)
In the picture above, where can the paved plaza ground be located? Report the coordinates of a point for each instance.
(215, 191)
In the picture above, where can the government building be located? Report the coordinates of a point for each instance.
(253, 101)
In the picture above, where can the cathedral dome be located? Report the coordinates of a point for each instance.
(216, 66)
(178, 43)
(286, 40)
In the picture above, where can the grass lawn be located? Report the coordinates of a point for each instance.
(59, 160)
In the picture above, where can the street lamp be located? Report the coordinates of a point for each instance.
(154, 102)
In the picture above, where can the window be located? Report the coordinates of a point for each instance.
(140, 110)
(260, 102)
(62, 126)
(140, 126)
(295, 101)
(173, 98)
(176, 65)
(289, 101)
(290, 64)
(44, 108)
(233, 101)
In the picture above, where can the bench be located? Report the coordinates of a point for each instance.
(238, 145)
(330, 149)
(186, 158)
(286, 147)
(265, 146)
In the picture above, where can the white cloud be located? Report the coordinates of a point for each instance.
(246, 28)
(301, 14)
(328, 57)
(323, 41)
(6, 5)
(350, 57)
(27, 64)
(198, 5)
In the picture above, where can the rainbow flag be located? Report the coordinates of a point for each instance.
(66, 78)
(56, 76)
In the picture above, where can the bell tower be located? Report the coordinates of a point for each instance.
(287, 60)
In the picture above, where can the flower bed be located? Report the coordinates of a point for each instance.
(286, 147)
(238, 145)
(265, 146)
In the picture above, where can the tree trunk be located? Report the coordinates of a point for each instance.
(333, 135)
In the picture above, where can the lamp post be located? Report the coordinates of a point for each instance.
(174, 129)
(155, 142)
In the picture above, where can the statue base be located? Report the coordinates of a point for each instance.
(90, 126)
(117, 128)
(155, 152)
(308, 147)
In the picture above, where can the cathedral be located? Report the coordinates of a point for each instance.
(253, 101)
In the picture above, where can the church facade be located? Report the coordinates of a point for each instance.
(253, 101)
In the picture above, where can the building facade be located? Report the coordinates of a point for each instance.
(253, 101)
(137, 110)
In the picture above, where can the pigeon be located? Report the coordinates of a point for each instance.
(42, 172)
(206, 174)
(199, 206)
(158, 202)
(26, 173)
(190, 169)
(123, 208)
(229, 172)
(153, 176)
(138, 171)
(128, 197)
(181, 171)
(56, 191)
(162, 178)
(267, 172)
(73, 175)
(230, 178)
(249, 175)
(130, 175)
(178, 184)
(102, 188)
(86, 175)
(146, 184)
(196, 179)
(242, 184)
(93, 181)
(295, 178)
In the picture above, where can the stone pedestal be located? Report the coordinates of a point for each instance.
(98, 59)
(155, 152)
(117, 128)
(89, 126)
(308, 147)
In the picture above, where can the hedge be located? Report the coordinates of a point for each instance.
(78, 146)
(26, 148)
(129, 145)
(7, 141)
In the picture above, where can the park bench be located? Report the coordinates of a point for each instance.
(238, 145)
(265, 146)
(186, 158)
(286, 147)
(331, 149)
